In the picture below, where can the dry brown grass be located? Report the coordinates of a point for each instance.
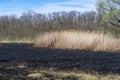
(93, 41)
(70, 75)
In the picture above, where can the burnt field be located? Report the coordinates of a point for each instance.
(18, 60)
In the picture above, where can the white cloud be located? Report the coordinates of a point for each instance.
(78, 5)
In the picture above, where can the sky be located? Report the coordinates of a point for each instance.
(17, 7)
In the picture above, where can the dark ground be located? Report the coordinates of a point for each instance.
(13, 54)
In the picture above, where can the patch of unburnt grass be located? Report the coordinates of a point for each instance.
(70, 75)
(70, 39)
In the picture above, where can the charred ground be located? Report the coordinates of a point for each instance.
(14, 54)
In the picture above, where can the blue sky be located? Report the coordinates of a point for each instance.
(8, 7)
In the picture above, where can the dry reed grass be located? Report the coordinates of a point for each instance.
(93, 41)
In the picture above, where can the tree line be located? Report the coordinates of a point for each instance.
(29, 24)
